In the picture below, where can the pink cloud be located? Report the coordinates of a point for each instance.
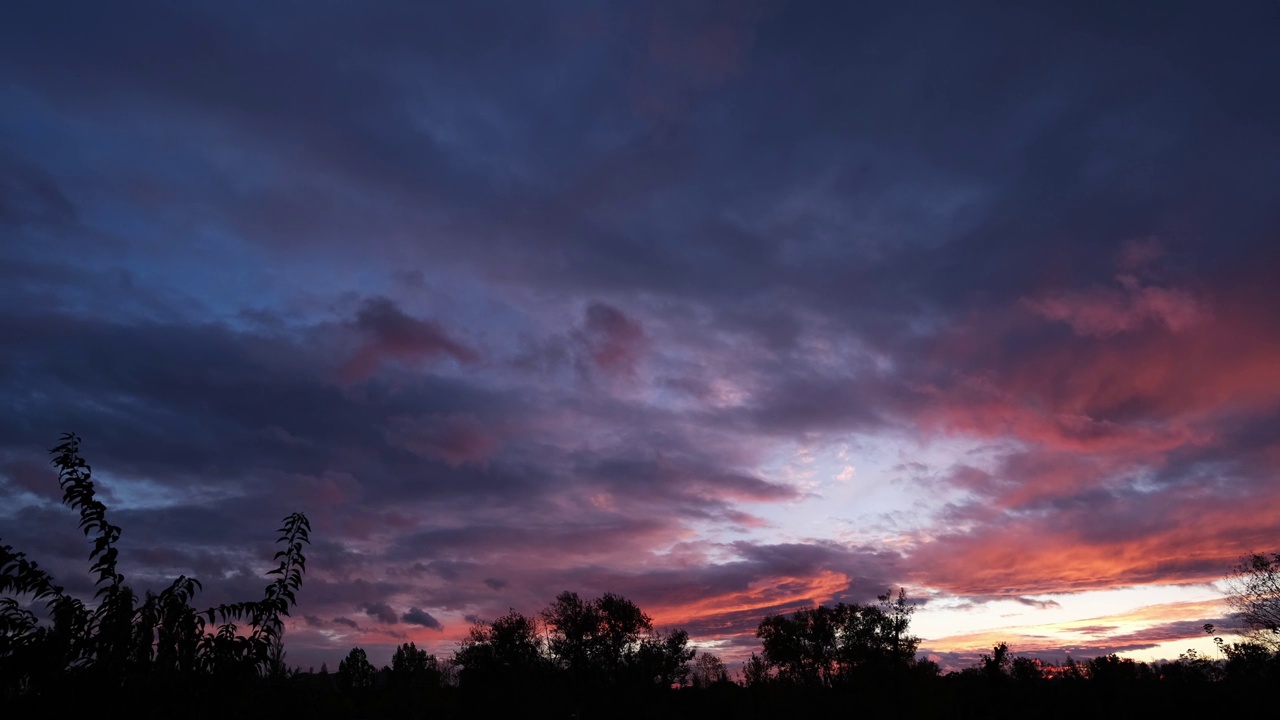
(1139, 394)
(1103, 312)
(766, 592)
(391, 333)
(1140, 253)
(614, 341)
(1176, 536)
(456, 438)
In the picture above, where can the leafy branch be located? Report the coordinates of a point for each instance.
(121, 640)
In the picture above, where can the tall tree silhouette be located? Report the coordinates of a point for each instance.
(504, 652)
(708, 670)
(828, 645)
(121, 640)
(1253, 591)
(609, 640)
(355, 672)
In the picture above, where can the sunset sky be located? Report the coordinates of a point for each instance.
(730, 308)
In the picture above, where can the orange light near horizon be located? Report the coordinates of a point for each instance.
(1099, 630)
(761, 594)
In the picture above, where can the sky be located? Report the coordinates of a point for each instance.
(730, 308)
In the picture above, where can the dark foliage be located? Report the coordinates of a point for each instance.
(585, 656)
(833, 646)
(1253, 591)
(124, 646)
(708, 670)
(355, 672)
(506, 653)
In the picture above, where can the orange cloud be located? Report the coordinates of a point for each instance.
(1186, 539)
(1144, 626)
(760, 595)
(1137, 394)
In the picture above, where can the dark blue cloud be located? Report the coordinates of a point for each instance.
(418, 616)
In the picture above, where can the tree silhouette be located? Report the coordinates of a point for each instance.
(503, 652)
(411, 667)
(824, 646)
(355, 672)
(662, 660)
(756, 672)
(1253, 591)
(609, 641)
(996, 666)
(708, 670)
(123, 641)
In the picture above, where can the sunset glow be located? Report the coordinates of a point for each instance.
(730, 311)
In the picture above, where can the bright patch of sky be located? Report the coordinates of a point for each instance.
(862, 489)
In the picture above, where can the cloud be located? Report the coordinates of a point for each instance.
(1083, 639)
(1137, 254)
(1103, 313)
(456, 438)
(390, 333)
(1098, 539)
(974, 601)
(614, 341)
(381, 612)
(30, 196)
(418, 616)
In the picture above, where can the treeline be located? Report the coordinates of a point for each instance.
(578, 656)
(157, 655)
(602, 659)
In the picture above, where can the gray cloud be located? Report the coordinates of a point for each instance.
(418, 616)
